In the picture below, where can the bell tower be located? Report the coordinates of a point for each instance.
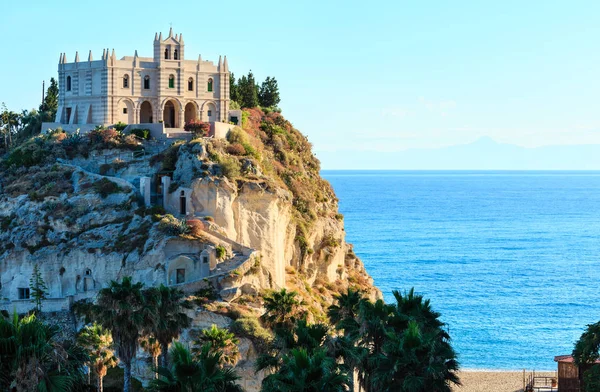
(170, 49)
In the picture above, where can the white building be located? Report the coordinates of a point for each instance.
(164, 89)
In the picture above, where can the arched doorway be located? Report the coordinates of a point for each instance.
(125, 112)
(190, 112)
(145, 113)
(170, 115)
(211, 112)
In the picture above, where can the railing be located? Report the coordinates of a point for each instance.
(541, 384)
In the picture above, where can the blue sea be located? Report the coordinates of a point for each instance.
(510, 259)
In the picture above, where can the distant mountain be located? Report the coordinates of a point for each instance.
(482, 154)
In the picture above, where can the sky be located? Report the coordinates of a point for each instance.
(355, 76)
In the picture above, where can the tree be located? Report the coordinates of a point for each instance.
(97, 341)
(233, 88)
(302, 371)
(282, 309)
(31, 358)
(151, 345)
(169, 319)
(9, 121)
(269, 93)
(38, 288)
(123, 309)
(587, 348)
(219, 340)
(49, 106)
(195, 374)
(247, 91)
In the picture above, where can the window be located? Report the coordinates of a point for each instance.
(234, 120)
(210, 85)
(205, 259)
(125, 81)
(23, 292)
(175, 55)
(146, 82)
(166, 54)
(124, 110)
(209, 113)
(68, 83)
(171, 81)
(190, 84)
(180, 278)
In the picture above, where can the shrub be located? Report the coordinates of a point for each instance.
(230, 166)
(141, 133)
(198, 128)
(173, 226)
(221, 252)
(105, 187)
(237, 135)
(120, 126)
(236, 149)
(249, 327)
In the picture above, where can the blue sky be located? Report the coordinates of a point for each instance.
(354, 76)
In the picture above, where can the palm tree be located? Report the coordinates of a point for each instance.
(123, 309)
(282, 308)
(169, 319)
(310, 338)
(190, 374)
(344, 312)
(151, 345)
(98, 343)
(220, 340)
(305, 372)
(32, 359)
(344, 315)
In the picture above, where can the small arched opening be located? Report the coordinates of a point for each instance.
(125, 81)
(68, 83)
(191, 84)
(171, 81)
(210, 85)
(175, 55)
(182, 203)
(190, 112)
(145, 113)
(146, 82)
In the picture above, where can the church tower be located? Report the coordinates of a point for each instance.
(170, 49)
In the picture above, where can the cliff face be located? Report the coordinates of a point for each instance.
(257, 195)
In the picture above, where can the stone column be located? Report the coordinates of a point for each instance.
(145, 190)
(166, 183)
(181, 118)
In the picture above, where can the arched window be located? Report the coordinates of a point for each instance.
(191, 84)
(171, 81)
(175, 55)
(68, 83)
(147, 82)
(210, 85)
(125, 81)
(166, 53)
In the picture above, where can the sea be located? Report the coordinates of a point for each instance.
(511, 259)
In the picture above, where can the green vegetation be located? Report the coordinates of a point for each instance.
(97, 341)
(105, 187)
(141, 133)
(221, 252)
(173, 226)
(247, 94)
(219, 340)
(587, 352)
(33, 359)
(37, 287)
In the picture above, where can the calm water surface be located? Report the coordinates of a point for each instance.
(510, 259)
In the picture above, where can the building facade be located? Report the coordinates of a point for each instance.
(166, 88)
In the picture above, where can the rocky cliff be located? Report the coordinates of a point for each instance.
(254, 206)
